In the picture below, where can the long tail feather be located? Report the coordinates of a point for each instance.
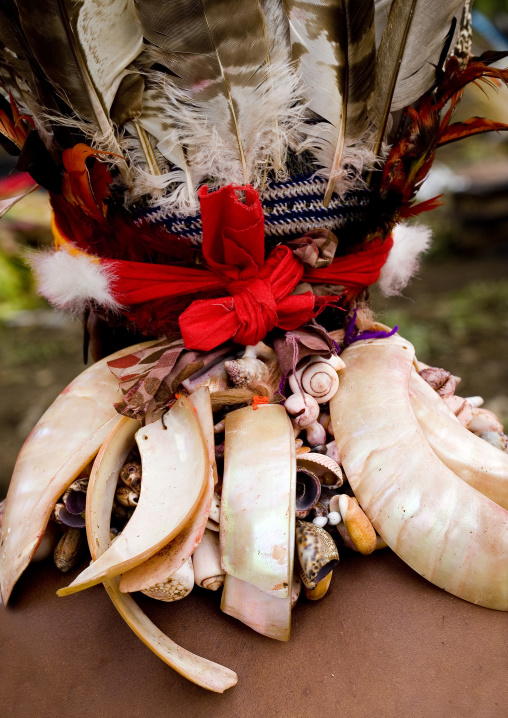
(84, 48)
(333, 47)
(221, 93)
(408, 54)
(360, 57)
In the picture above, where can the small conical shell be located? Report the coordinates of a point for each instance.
(125, 496)
(206, 560)
(67, 552)
(357, 523)
(130, 474)
(247, 371)
(317, 553)
(176, 587)
(324, 467)
(314, 594)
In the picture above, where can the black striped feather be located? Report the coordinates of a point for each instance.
(226, 90)
(84, 48)
(409, 52)
(360, 59)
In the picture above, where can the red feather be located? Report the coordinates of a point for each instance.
(455, 78)
(409, 161)
(120, 237)
(426, 206)
(472, 126)
(17, 127)
(86, 181)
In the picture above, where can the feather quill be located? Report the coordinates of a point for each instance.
(84, 48)
(409, 52)
(333, 46)
(160, 105)
(229, 94)
(359, 63)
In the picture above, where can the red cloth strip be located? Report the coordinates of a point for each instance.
(258, 292)
(139, 282)
(354, 271)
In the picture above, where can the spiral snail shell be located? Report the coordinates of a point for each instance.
(319, 379)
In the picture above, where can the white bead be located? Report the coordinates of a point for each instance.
(320, 521)
(334, 518)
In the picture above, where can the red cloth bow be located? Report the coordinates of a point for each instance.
(233, 248)
(259, 291)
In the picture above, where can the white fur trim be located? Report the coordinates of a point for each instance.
(72, 282)
(409, 242)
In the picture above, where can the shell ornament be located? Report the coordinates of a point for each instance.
(227, 179)
(298, 506)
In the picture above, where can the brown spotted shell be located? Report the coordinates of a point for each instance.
(317, 553)
(130, 474)
(124, 496)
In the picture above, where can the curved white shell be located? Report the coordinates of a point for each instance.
(171, 557)
(102, 486)
(175, 474)
(444, 529)
(474, 460)
(258, 499)
(62, 443)
(266, 614)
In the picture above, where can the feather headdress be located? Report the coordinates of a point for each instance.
(139, 104)
(217, 91)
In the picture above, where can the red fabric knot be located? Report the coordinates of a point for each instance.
(234, 248)
(258, 291)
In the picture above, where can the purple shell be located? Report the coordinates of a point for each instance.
(75, 502)
(308, 491)
(73, 520)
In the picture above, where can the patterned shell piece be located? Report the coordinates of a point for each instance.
(317, 553)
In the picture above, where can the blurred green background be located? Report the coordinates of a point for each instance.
(455, 311)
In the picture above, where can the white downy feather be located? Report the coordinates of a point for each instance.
(409, 243)
(72, 282)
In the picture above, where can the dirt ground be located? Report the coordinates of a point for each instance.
(455, 312)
